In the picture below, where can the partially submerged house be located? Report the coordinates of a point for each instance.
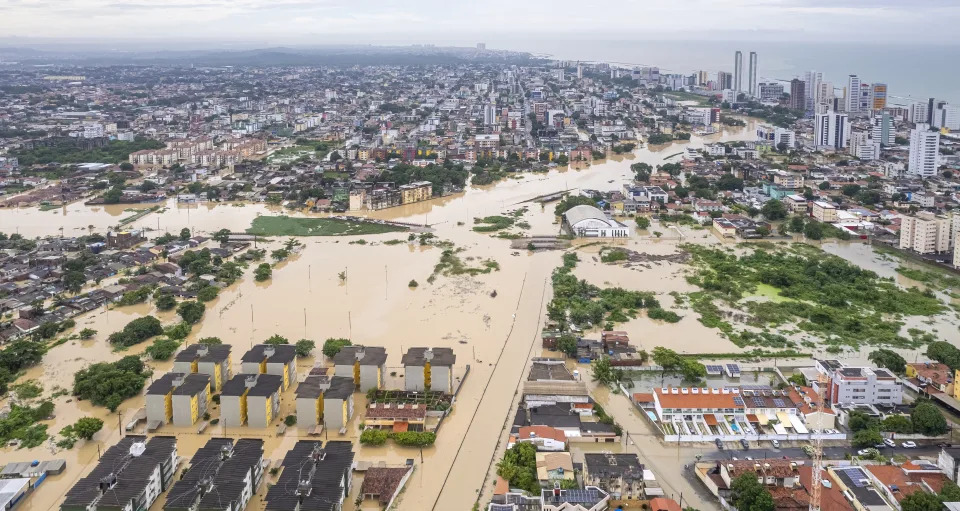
(277, 359)
(129, 475)
(251, 399)
(178, 398)
(429, 369)
(364, 364)
(212, 360)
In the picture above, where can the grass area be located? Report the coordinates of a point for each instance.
(292, 153)
(770, 292)
(687, 96)
(289, 226)
(492, 223)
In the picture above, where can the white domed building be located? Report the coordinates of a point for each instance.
(589, 222)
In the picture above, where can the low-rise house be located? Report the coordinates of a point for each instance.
(429, 369)
(544, 438)
(180, 398)
(212, 360)
(591, 498)
(383, 484)
(396, 417)
(314, 477)
(251, 399)
(932, 375)
(553, 467)
(222, 475)
(277, 359)
(130, 475)
(365, 365)
(621, 474)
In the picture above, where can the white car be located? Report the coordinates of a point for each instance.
(889, 442)
(909, 445)
(776, 444)
(865, 452)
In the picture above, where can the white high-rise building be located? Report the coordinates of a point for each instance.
(924, 148)
(489, 115)
(883, 131)
(738, 71)
(852, 95)
(752, 75)
(918, 112)
(579, 71)
(811, 87)
(946, 116)
(864, 146)
(831, 131)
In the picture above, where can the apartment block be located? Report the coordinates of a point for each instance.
(213, 361)
(278, 359)
(926, 233)
(860, 385)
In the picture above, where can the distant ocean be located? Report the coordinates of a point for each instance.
(910, 71)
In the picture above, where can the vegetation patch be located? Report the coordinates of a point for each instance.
(492, 223)
(451, 265)
(290, 226)
(108, 384)
(820, 294)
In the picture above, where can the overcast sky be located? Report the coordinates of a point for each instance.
(464, 22)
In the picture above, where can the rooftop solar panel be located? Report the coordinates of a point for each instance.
(738, 401)
(779, 403)
(758, 401)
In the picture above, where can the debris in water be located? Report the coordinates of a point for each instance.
(493, 294)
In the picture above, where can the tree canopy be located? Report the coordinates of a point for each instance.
(109, 383)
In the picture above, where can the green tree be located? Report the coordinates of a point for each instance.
(567, 343)
(87, 333)
(208, 293)
(136, 331)
(928, 419)
(850, 190)
(950, 492)
(222, 236)
(165, 302)
(185, 234)
(896, 424)
(921, 501)
(867, 438)
(162, 349)
(605, 373)
(774, 210)
(191, 311)
(276, 339)
(304, 347)
(747, 494)
(73, 281)
(109, 384)
(263, 272)
(333, 346)
(210, 341)
(519, 467)
(889, 359)
(643, 222)
(86, 427)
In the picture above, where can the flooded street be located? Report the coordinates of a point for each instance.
(374, 306)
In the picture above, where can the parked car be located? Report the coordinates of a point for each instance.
(867, 452)
(909, 444)
(889, 442)
(776, 444)
(719, 444)
(744, 443)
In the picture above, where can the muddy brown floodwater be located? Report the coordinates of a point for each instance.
(374, 306)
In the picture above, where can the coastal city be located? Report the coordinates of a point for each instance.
(438, 278)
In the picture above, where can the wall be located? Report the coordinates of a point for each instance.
(306, 412)
(368, 377)
(257, 411)
(230, 411)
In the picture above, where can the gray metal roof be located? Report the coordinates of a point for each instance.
(583, 212)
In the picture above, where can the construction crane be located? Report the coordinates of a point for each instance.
(822, 382)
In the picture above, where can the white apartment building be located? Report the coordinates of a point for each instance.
(924, 151)
(852, 96)
(946, 116)
(752, 75)
(883, 131)
(864, 146)
(926, 233)
(811, 85)
(831, 131)
(860, 385)
(918, 112)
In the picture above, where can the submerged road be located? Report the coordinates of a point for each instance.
(463, 483)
